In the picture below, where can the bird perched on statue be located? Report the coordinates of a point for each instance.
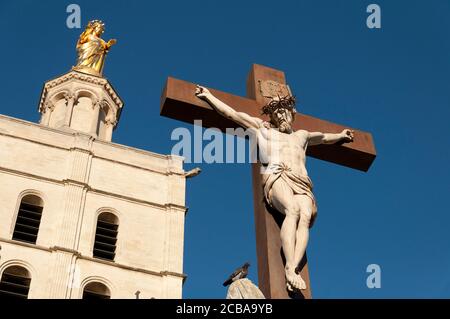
(239, 273)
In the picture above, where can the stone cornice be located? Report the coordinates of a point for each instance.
(81, 150)
(142, 270)
(66, 250)
(102, 82)
(71, 146)
(100, 261)
(166, 206)
(166, 172)
(76, 183)
(176, 207)
(72, 133)
(30, 176)
(174, 274)
(24, 244)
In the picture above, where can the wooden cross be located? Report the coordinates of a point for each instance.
(178, 101)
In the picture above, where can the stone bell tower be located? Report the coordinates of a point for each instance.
(81, 216)
(81, 102)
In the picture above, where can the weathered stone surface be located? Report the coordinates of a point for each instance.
(244, 289)
(78, 177)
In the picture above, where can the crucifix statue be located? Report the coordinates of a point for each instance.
(281, 183)
(286, 185)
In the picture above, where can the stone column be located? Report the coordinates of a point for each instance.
(46, 112)
(110, 124)
(96, 104)
(76, 188)
(70, 100)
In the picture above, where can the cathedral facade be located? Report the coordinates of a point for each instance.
(80, 216)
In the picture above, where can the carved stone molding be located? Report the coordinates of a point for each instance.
(96, 103)
(73, 75)
(48, 106)
(70, 96)
(111, 122)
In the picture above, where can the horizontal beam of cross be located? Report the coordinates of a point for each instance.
(178, 101)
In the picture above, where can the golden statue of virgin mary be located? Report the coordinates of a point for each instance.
(92, 49)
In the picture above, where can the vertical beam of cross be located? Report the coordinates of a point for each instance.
(271, 275)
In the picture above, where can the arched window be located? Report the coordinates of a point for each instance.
(96, 290)
(83, 113)
(106, 236)
(15, 283)
(28, 219)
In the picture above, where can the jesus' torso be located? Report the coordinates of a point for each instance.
(281, 148)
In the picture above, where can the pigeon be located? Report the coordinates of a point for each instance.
(239, 273)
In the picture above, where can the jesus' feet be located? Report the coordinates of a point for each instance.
(293, 280)
(302, 283)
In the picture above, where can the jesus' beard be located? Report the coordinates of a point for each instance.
(285, 127)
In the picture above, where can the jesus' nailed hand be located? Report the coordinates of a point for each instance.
(286, 184)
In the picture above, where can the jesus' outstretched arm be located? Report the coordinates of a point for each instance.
(241, 118)
(316, 138)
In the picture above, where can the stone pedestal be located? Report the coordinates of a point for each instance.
(244, 289)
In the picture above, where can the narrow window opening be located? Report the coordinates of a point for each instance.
(28, 219)
(15, 283)
(106, 236)
(96, 290)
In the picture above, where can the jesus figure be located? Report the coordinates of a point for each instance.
(286, 185)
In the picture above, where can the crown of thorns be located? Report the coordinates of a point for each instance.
(286, 102)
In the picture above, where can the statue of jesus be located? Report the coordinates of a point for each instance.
(286, 185)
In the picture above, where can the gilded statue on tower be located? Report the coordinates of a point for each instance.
(92, 49)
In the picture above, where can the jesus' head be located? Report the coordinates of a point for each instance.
(282, 113)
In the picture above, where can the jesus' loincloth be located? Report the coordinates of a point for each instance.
(300, 185)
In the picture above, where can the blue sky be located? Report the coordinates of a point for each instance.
(393, 82)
